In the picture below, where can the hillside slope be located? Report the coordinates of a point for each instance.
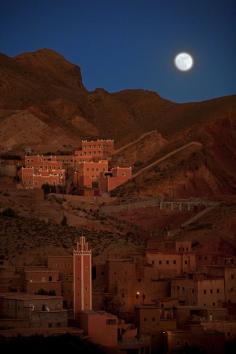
(46, 84)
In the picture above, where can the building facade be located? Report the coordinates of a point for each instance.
(82, 276)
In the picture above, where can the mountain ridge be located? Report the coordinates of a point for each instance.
(42, 89)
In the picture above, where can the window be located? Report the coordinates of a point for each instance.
(217, 290)
(232, 276)
(50, 278)
(211, 291)
(167, 262)
(213, 304)
(174, 261)
(145, 320)
(153, 319)
(185, 262)
(204, 291)
(111, 322)
(160, 262)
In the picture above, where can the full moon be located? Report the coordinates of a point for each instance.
(183, 61)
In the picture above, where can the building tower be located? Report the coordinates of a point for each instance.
(82, 277)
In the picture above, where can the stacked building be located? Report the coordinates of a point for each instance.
(40, 170)
(173, 293)
(87, 168)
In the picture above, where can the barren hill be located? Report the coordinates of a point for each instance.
(46, 85)
(198, 162)
(44, 104)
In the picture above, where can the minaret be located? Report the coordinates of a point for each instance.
(82, 277)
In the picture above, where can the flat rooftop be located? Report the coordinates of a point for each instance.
(25, 332)
(25, 296)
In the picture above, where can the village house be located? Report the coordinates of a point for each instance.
(42, 280)
(36, 178)
(209, 341)
(172, 259)
(87, 168)
(94, 150)
(87, 173)
(33, 310)
(64, 265)
(230, 284)
(109, 180)
(199, 292)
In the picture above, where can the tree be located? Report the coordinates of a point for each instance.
(46, 188)
(64, 221)
(9, 212)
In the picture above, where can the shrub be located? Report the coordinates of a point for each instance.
(9, 212)
(64, 221)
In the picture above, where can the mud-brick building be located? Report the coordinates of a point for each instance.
(230, 284)
(42, 280)
(172, 259)
(33, 310)
(109, 180)
(87, 173)
(35, 178)
(94, 150)
(200, 292)
(64, 266)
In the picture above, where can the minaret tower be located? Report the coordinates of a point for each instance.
(82, 277)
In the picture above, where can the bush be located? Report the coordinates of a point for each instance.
(64, 221)
(9, 212)
(138, 164)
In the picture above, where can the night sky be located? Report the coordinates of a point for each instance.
(132, 43)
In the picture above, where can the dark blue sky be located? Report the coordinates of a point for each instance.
(132, 43)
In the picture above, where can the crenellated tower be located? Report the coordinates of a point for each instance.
(82, 277)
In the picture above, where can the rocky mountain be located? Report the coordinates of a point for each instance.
(45, 84)
(45, 105)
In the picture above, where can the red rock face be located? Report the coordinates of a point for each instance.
(58, 110)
